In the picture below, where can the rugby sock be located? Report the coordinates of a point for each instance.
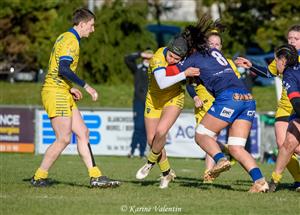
(255, 174)
(94, 172)
(153, 157)
(92, 156)
(40, 174)
(164, 167)
(276, 177)
(218, 156)
(294, 168)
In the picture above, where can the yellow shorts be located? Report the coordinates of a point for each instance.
(284, 110)
(207, 99)
(58, 102)
(155, 104)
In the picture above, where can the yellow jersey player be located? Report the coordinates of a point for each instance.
(58, 97)
(164, 102)
(284, 108)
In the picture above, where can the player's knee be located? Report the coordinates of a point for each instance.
(236, 141)
(161, 133)
(83, 135)
(65, 139)
(290, 144)
(204, 131)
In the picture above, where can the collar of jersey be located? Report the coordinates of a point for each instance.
(73, 31)
(165, 51)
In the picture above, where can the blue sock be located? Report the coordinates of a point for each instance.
(218, 156)
(255, 174)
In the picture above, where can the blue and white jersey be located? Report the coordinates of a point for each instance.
(216, 73)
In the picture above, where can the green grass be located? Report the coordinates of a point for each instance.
(119, 96)
(71, 195)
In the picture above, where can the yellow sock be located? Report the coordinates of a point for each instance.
(276, 177)
(152, 157)
(40, 174)
(294, 169)
(94, 172)
(164, 165)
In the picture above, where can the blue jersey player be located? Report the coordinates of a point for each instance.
(286, 57)
(233, 106)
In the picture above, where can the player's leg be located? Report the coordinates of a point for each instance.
(286, 151)
(139, 127)
(157, 131)
(151, 123)
(168, 118)
(209, 164)
(62, 128)
(238, 134)
(135, 135)
(205, 137)
(293, 164)
(85, 152)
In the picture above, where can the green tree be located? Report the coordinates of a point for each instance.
(29, 29)
(252, 23)
(120, 29)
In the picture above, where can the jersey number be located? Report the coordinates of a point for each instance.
(221, 60)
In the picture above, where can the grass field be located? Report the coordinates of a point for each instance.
(70, 193)
(119, 96)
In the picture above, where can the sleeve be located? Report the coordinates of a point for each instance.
(130, 61)
(191, 90)
(69, 50)
(66, 72)
(164, 81)
(157, 62)
(261, 71)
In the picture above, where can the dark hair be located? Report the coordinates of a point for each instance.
(178, 45)
(82, 14)
(294, 28)
(288, 52)
(196, 36)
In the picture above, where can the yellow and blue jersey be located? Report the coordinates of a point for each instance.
(66, 47)
(158, 62)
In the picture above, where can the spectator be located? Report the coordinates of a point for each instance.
(139, 70)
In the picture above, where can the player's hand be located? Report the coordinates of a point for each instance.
(243, 62)
(146, 55)
(191, 72)
(198, 102)
(77, 95)
(91, 91)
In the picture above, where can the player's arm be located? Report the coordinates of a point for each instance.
(192, 92)
(163, 80)
(258, 70)
(130, 61)
(65, 70)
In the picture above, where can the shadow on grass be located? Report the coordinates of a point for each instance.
(198, 183)
(53, 182)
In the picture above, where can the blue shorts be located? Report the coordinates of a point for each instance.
(227, 108)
